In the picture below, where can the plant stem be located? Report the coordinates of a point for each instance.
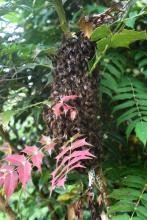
(138, 202)
(62, 17)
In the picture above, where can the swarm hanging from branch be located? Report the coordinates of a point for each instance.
(71, 78)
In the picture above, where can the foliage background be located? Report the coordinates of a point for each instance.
(30, 34)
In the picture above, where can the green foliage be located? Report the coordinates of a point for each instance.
(131, 96)
(131, 198)
(141, 60)
(30, 35)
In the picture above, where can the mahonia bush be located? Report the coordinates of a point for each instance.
(17, 168)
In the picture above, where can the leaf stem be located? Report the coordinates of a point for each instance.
(138, 202)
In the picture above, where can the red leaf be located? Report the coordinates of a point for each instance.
(66, 108)
(45, 140)
(67, 98)
(50, 147)
(36, 155)
(37, 160)
(6, 168)
(30, 150)
(10, 183)
(61, 181)
(57, 109)
(16, 159)
(74, 145)
(49, 144)
(73, 114)
(3, 171)
(73, 161)
(24, 172)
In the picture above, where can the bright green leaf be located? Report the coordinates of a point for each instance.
(126, 37)
(141, 131)
(100, 32)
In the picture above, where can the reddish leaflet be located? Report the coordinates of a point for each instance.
(72, 153)
(69, 159)
(62, 108)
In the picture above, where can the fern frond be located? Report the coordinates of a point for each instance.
(131, 103)
(130, 199)
(113, 68)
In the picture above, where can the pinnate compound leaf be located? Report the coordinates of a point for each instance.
(79, 143)
(24, 172)
(10, 183)
(69, 159)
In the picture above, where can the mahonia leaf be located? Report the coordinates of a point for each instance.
(79, 143)
(3, 170)
(36, 155)
(66, 108)
(68, 98)
(71, 159)
(73, 114)
(24, 172)
(16, 159)
(57, 109)
(49, 145)
(10, 182)
(9, 179)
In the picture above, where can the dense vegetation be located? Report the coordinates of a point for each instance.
(31, 33)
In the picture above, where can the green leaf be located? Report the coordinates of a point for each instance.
(123, 106)
(141, 131)
(130, 127)
(121, 207)
(126, 37)
(126, 117)
(122, 96)
(113, 70)
(125, 193)
(121, 217)
(134, 181)
(144, 199)
(141, 212)
(100, 32)
(130, 22)
(103, 44)
(105, 90)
